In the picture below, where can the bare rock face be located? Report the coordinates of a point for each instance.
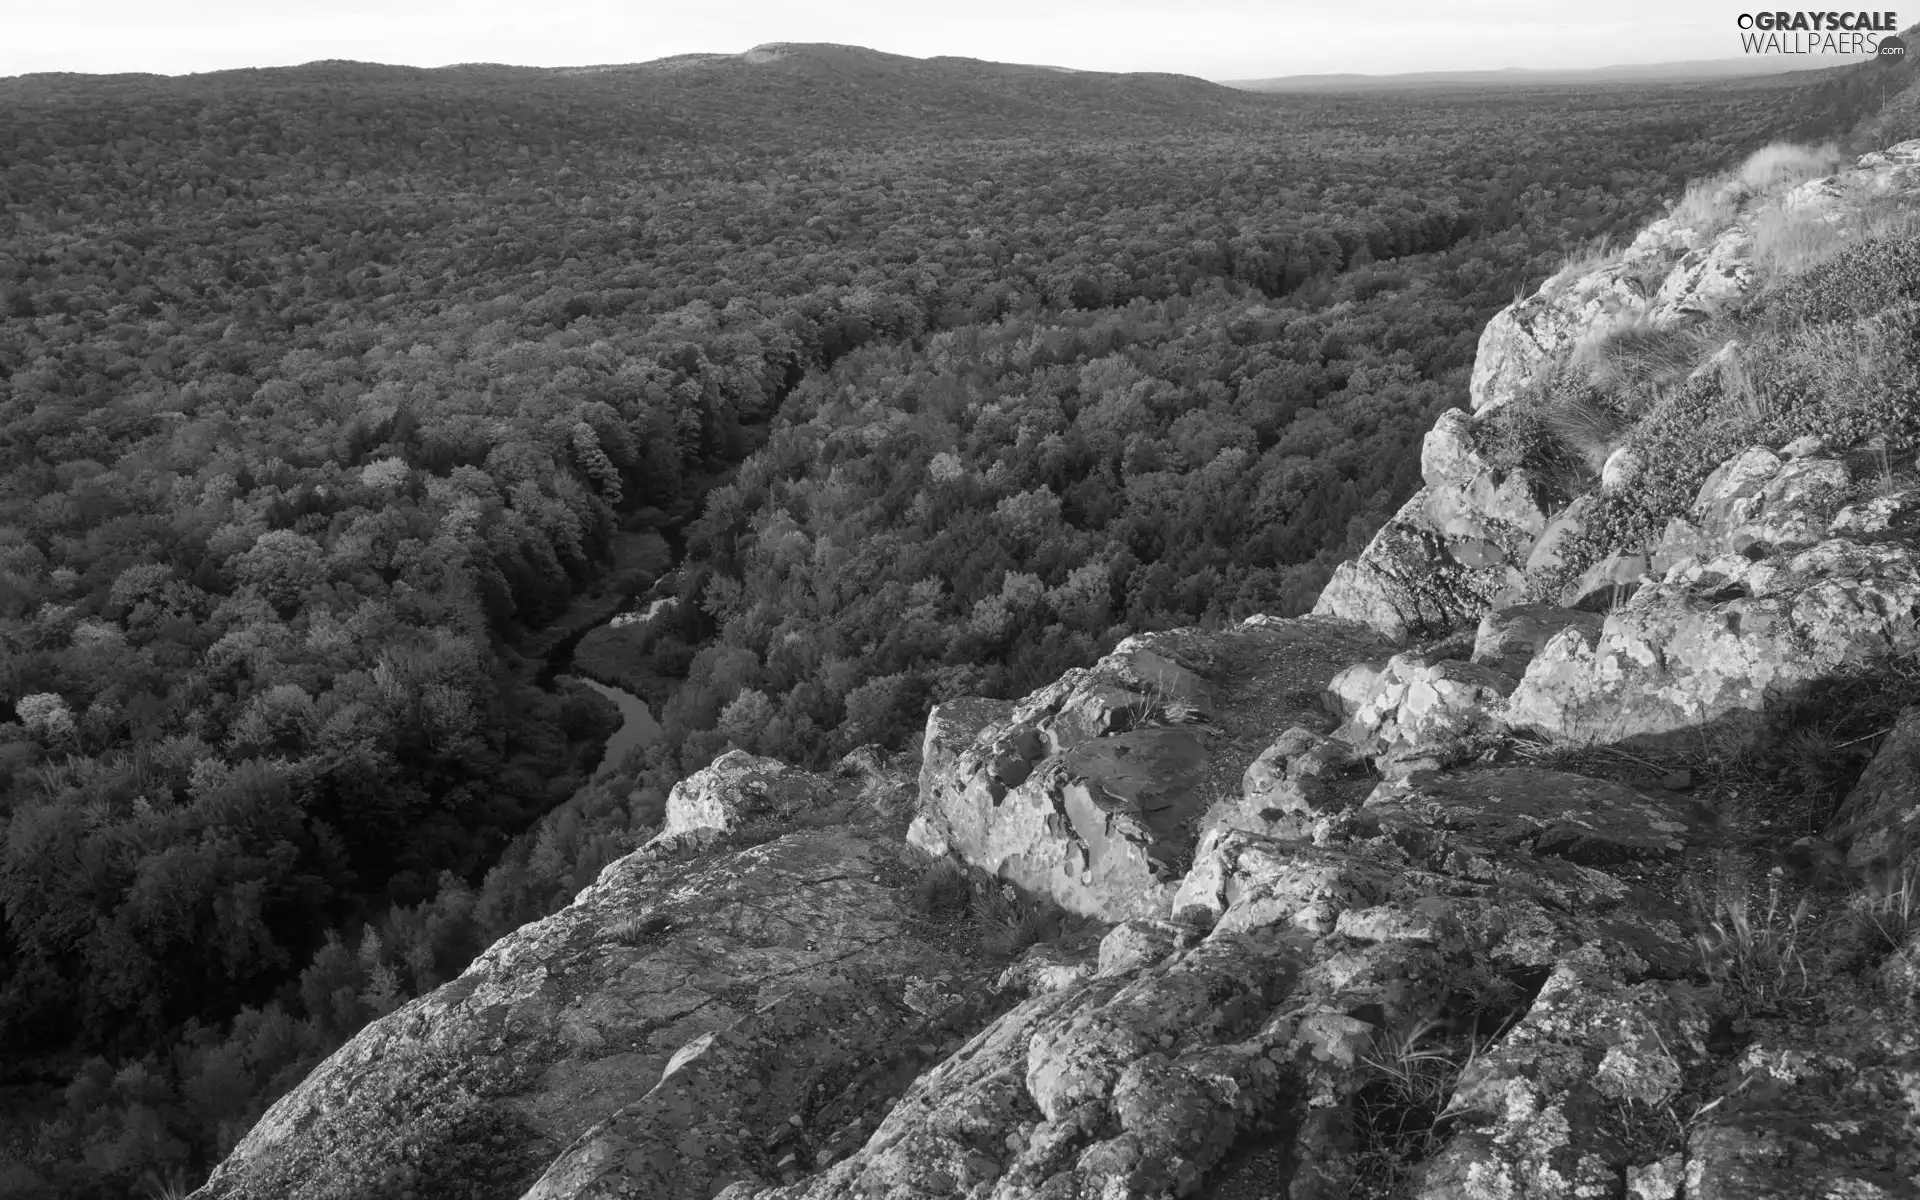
(1582, 820)
(1756, 503)
(1896, 514)
(1828, 1111)
(1878, 825)
(673, 1004)
(1420, 703)
(1286, 786)
(1248, 1020)
(1452, 551)
(1706, 279)
(1530, 337)
(1531, 1108)
(1089, 791)
(1769, 583)
(1714, 640)
(1132, 1084)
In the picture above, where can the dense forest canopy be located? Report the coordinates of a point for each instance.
(322, 388)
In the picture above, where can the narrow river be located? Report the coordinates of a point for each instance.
(637, 726)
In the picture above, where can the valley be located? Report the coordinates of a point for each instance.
(342, 406)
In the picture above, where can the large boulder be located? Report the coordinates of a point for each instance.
(1714, 641)
(1705, 280)
(737, 788)
(1508, 639)
(1083, 791)
(1530, 1113)
(1092, 791)
(1756, 503)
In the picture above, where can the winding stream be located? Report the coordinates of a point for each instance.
(637, 726)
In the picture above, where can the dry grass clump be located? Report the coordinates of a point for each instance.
(1398, 1111)
(1710, 205)
(1006, 921)
(1582, 421)
(1788, 242)
(1764, 957)
(1889, 906)
(1582, 260)
(1781, 165)
(1634, 360)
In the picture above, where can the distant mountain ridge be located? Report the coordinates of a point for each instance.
(1666, 72)
(836, 91)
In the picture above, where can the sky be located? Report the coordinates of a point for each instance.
(1214, 39)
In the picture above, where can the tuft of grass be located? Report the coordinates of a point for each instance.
(1582, 421)
(1889, 906)
(639, 930)
(1581, 261)
(1789, 242)
(1398, 1110)
(942, 890)
(1519, 435)
(1007, 922)
(173, 1186)
(1010, 922)
(1635, 361)
(1162, 706)
(1709, 205)
(1761, 957)
(1781, 165)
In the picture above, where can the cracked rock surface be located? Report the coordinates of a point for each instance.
(597, 1049)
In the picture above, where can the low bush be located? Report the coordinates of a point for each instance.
(1006, 921)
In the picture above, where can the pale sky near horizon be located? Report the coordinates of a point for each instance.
(1215, 39)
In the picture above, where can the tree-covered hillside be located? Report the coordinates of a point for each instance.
(321, 389)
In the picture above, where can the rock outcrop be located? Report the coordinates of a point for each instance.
(1092, 791)
(658, 1037)
(1474, 537)
(1360, 914)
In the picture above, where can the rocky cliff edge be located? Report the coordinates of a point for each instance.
(1506, 874)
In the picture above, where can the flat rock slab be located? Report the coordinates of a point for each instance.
(1583, 820)
(1148, 774)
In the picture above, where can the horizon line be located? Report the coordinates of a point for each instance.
(1239, 82)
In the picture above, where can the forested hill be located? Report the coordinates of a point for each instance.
(321, 387)
(766, 97)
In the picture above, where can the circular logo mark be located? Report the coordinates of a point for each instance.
(1892, 47)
